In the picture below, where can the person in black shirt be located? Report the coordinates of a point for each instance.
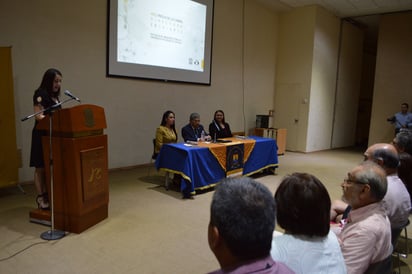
(218, 128)
(44, 97)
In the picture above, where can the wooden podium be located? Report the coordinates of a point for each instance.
(80, 168)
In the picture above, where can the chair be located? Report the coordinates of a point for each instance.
(238, 133)
(396, 234)
(154, 155)
(382, 267)
(153, 159)
(167, 180)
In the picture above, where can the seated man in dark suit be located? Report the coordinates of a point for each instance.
(194, 131)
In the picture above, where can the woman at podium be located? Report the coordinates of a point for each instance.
(45, 97)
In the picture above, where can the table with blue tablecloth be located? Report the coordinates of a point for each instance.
(201, 167)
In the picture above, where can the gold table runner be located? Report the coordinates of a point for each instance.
(219, 149)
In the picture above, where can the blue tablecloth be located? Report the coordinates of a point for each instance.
(200, 169)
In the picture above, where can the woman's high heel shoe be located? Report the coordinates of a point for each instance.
(42, 203)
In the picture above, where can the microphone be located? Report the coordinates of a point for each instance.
(68, 93)
(217, 127)
(391, 119)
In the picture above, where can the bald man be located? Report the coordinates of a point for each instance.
(396, 201)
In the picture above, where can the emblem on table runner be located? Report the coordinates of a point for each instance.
(234, 160)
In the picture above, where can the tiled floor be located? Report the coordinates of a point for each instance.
(149, 229)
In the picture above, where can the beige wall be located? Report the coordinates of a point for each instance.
(71, 36)
(317, 87)
(293, 75)
(393, 81)
(348, 86)
(323, 82)
(306, 77)
(251, 45)
(260, 43)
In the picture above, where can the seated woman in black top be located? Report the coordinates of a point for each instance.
(218, 128)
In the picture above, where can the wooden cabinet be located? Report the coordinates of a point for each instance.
(9, 159)
(279, 134)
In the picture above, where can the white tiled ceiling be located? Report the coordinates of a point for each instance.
(345, 8)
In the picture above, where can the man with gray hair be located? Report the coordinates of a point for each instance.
(403, 144)
(396, 201)
(194, 131)
(242, 221)
(366, 238)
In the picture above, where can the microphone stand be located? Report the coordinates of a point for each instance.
(52, 234)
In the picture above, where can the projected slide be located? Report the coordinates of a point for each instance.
(162, 33)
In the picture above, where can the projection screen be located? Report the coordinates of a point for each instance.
(160, 39)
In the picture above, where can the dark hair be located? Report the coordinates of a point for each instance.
(219, 110)
(404, 141)
(165, 116)
(243, 211)
(303, 205)
(48, 81)
(405, 104)
(389, 158)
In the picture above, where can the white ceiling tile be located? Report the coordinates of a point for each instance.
(348, 8)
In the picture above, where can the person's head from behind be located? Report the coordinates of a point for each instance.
(404, 108)
(365, 184)
(242, 221)
(194, 120)
(303, 205)
(403, 142)
(219, 116)
(168, 119)
(51, 82)
(384, 155)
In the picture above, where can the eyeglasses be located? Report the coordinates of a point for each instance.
(349, 181)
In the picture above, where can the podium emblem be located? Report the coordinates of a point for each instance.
(88, 117)
(93, 175)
